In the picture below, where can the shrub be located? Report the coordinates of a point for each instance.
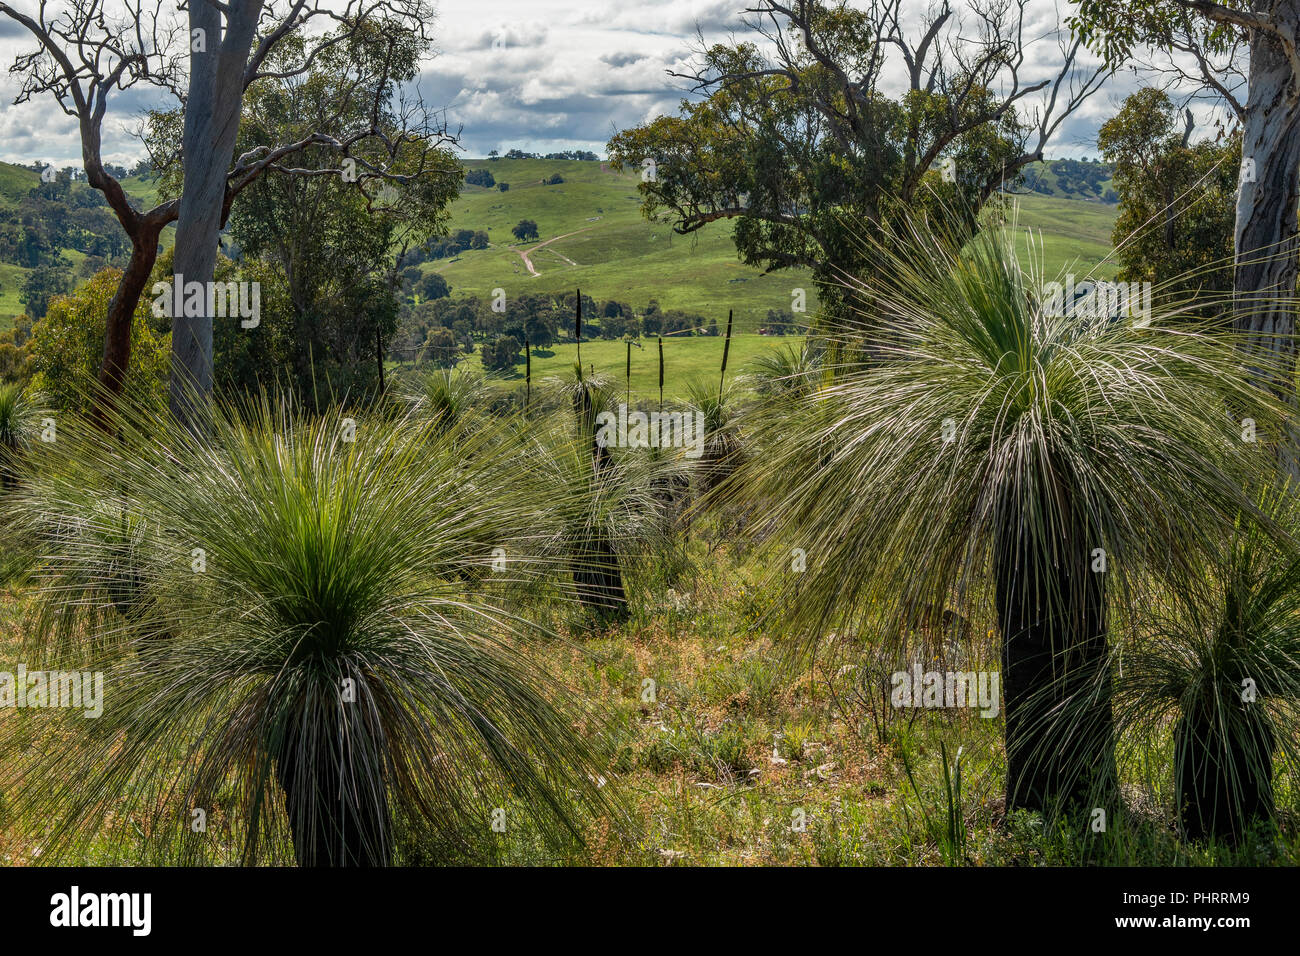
(433, 286)
(68, 347)
(502, 354)
(441, 348)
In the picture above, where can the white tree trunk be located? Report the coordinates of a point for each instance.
(212, 113)
(1266, 227)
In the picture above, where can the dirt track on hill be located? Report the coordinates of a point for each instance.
(529, 262)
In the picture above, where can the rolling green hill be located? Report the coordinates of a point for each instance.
(1065, 235)
(592, 236)
(15, 183)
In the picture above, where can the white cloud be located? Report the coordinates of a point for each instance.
(539, 75)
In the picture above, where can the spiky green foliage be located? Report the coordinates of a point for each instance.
(1023, 466)
(313, 666)
(723, 447)
(612, 497)
(789, 371)
(1218, 662)
(451, 399)
(621, 502)
(585, 393)
(19, 428)
(585, 466)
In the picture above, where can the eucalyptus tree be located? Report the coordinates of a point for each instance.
(206, 55)
(338, 248)
(1176, 200)
(796, 135)
(84, 55)
(1247, 55)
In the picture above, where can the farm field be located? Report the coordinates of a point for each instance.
(686, 358)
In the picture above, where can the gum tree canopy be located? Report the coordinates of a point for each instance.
(833, 118)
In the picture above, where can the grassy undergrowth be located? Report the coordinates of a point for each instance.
(732, 757)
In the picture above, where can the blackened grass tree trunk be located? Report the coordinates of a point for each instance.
(1223, 777)
(1227, 672)
(331, 765)
(1051, 608)
(597, 573)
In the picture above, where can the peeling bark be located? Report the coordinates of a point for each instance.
(1266, 228)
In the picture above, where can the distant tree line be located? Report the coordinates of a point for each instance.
(578, 154)
(444, 247)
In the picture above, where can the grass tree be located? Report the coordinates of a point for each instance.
(19, 428)
(452, 400)
(313, 660)
(590, 469)
(1217, 668)
(723, 447)
(1027, 466)
(786, 372)
(603, 515)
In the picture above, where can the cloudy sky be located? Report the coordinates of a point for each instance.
(539, 75)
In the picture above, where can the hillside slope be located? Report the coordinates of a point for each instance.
(15, 183)
(592, 236)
